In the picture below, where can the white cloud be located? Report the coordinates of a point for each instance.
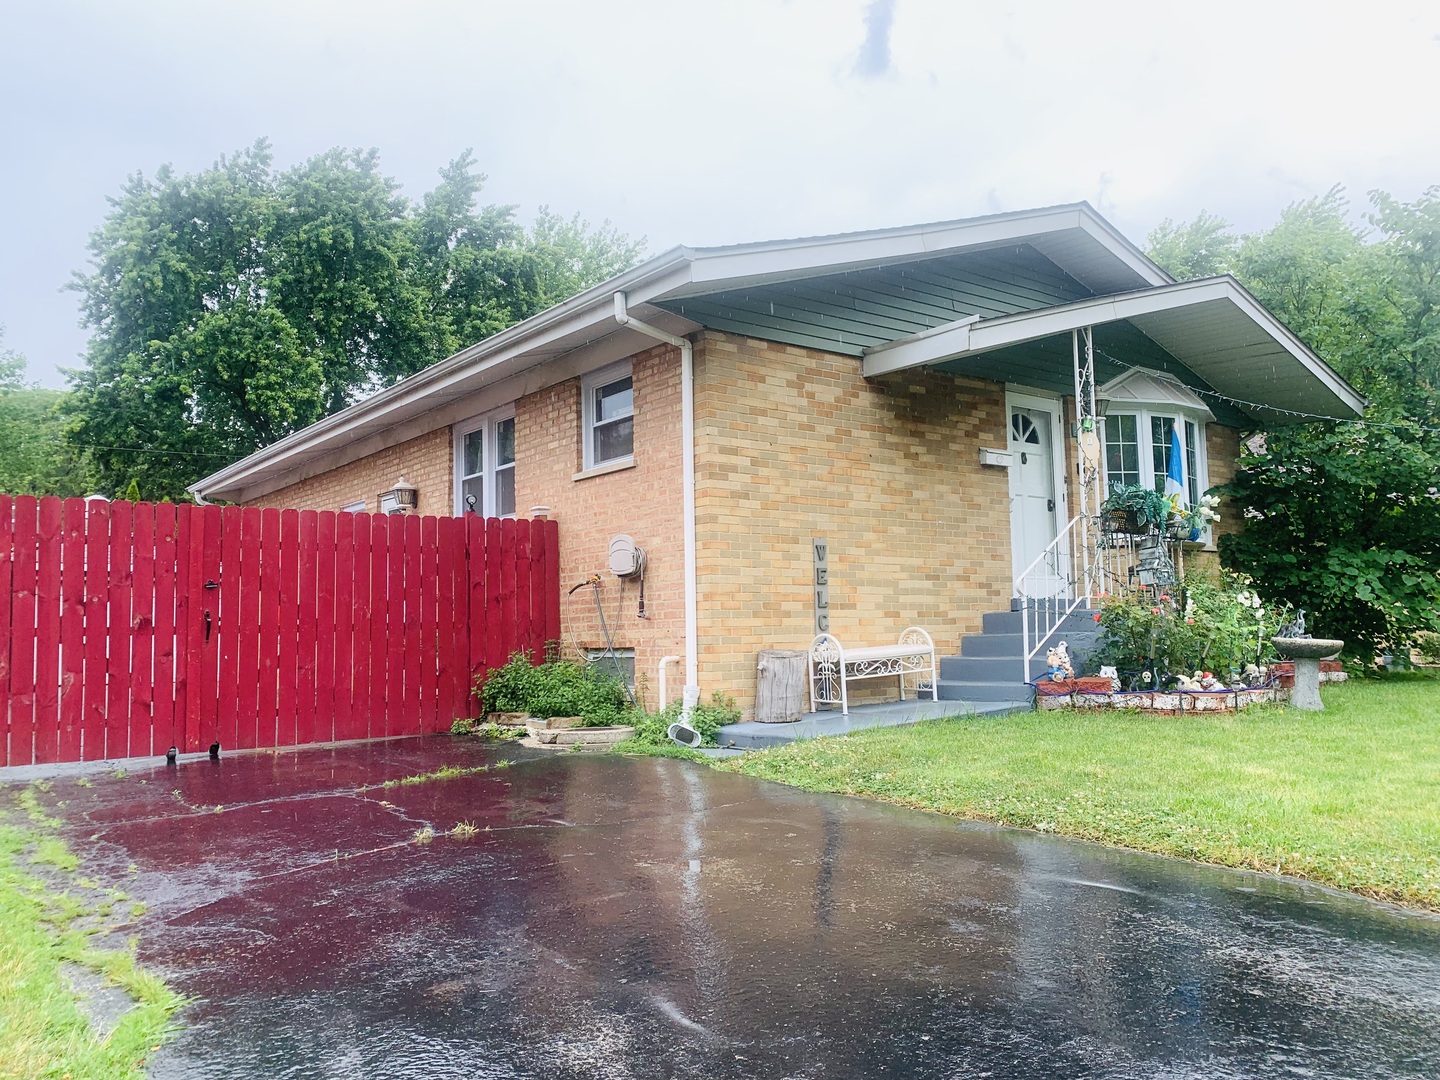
(718, 123)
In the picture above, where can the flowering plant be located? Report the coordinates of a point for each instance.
(1202, 626)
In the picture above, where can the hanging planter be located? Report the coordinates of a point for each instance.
(1135, 509)
(1125, 521)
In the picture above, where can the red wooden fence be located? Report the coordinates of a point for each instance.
(126, 629)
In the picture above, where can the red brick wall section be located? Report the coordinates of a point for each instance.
(644, 501)
(424, 461)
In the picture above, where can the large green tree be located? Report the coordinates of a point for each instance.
(233, 306)
(1341, 518)
(34, 459)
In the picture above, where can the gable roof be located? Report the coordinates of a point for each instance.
(581, 334)
(1212, 326)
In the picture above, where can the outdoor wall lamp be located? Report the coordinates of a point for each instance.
(400, 499)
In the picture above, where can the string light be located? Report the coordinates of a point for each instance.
(1241, 403)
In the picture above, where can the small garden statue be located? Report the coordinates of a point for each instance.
(1294, 628)
(1209, 682)
(1186, 683)
(1253, 676)
(1109, 672)
(1060, 667)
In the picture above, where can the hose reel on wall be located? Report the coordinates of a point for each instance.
(626, 561)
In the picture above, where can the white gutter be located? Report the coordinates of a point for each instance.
(687, 474)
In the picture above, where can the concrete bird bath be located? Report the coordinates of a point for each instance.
(1307, 654)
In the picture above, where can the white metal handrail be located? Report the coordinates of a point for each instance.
(1056, 582)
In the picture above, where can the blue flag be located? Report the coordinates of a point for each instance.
(1175, 474)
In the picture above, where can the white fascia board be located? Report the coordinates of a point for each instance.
(1046, 322)
(715, 266)
(1096, 226)
(1298, 349)
(915, 350)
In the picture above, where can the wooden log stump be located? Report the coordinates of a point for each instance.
(780, 690)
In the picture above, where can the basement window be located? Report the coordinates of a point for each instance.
(620, 662)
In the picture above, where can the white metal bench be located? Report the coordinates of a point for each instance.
(831, 666)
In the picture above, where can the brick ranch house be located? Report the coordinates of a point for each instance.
(906, 394)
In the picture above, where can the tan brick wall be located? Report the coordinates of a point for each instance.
(644, 501)
(792, 444)
(424, 461)
(1222, 452)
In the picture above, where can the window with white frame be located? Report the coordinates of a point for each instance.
(1137, 449)
(1143, 409)
(485, 465)
(609, 416)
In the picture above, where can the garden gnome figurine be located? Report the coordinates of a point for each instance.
(1058, 659)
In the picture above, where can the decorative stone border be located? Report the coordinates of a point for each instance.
(1094, 693)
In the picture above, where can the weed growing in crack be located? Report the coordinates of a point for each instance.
(464, 830)
(424, 836)
(445, 772)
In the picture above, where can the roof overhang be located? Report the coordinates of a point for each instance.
(581, 334)
(1213, 326)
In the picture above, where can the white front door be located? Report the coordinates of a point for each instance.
(1033, 505)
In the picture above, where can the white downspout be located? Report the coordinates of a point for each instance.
(665, 662)
(687, 474)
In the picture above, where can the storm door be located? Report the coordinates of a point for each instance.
(1034, 514)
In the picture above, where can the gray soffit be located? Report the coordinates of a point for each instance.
(1212, 327)
(580, 334)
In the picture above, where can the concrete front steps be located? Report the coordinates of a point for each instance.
(987, 673)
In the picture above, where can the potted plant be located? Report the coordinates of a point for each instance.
(1135, 509)
(1186, 522)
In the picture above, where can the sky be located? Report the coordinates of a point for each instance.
(712, 123)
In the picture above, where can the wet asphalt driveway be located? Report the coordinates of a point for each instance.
(644, 918)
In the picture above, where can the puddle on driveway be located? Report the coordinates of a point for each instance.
(643, 918)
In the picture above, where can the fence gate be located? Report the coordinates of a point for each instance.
(126, 629)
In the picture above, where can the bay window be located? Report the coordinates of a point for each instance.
(1143, 408)
(1128, 461)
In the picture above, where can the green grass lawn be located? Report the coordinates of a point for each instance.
(49, 917)
(1349, 797)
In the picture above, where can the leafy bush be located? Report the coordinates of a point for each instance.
(707, 718)
(1427, 647)
(555, 688)
(1344, 522)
